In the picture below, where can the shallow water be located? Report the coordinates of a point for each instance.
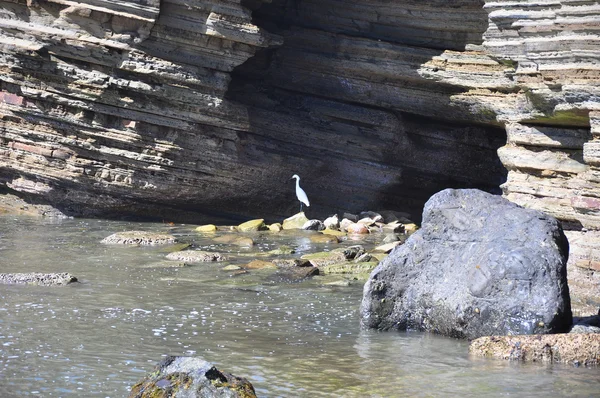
(100, 336)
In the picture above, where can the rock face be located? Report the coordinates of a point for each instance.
(479, 266)
(193, 378)
(112, 108)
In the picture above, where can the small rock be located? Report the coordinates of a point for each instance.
(370, 214)
(195, 256)
(333, 232)
(391, 238)
(393, 227)
(142, 238)
(349, 268)
(259, 264)
(388, 247)
(367, 221)
(357, 229)
(275, 227)
(363, 258)
(341, 283)
(295, 222)
(252, 225)
(291, 262)
(410, 228)
(324, 258)
(231, 267)
(313, 225)
(352, 252)
(345, 223)
(292, 275)
(572, 348)
(332, 222)
(38, 278)
(281, 250)
(243, 241)
(321, 238)
(207, 228)
(191, 377)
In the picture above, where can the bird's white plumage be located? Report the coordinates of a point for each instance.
(300, 194)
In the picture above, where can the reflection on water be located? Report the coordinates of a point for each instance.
(99, 337)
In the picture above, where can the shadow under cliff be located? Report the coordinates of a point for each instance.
(343, 103)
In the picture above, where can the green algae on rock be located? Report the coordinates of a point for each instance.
(140, 238)
(252, 225)
(324, 258)
(191, 377)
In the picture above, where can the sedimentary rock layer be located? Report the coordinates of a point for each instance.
(144, 107)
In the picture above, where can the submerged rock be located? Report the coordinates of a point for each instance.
(291, 262)
(259, 264)
(324, 258)
(293, 275)
(191, 377)
(323, 238)
(573, 348)
(37, 278)
(479, 266)
(242, 241)
(195, 256)
(142, 238)
(296, 221)
(333, 232)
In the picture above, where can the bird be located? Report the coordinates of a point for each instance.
(300, 194)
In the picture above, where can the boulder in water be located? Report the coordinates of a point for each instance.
(195, 256)
(479, 266)
(296, 221)
(191, 377)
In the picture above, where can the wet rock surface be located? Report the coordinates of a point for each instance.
(191, 377)
(575, 349)
(479, 266)
(195, 256)
(139, 238)
(37, 278)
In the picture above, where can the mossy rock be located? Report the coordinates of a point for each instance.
(349, 268)
(195, 256)
(296, 221)
(139, 238)
(208, 228)
(281, 251)
(252, 225)
(190, 377)
(320, 259)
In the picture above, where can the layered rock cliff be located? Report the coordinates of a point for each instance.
(146, 106)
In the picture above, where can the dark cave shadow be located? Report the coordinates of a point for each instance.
(401, 155)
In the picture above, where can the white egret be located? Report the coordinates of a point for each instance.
(300, 194)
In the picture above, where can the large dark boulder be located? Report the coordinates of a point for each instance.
(191, 377)
(480, 265)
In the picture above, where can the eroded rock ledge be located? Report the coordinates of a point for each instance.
(113, 108)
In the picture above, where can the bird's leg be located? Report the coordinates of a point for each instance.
(300, 206)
